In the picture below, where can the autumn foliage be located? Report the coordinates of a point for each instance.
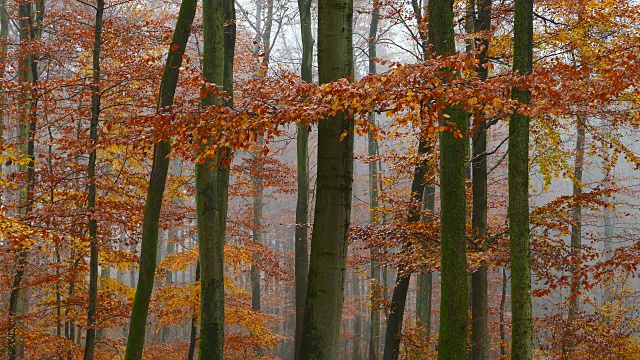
(586, 74)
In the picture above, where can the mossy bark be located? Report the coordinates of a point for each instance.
(212, 179)
(521, 335)
(452, 342)
(325, 288)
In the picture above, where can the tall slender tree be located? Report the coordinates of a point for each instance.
(521, 337)
(479, 284)
(157, 181)
(424, 295)
(452, 342)
(301, 246)
(28, 76)
(91, 178)
(576, 217)
(212, 178)
(332, 217)
(372, 149)
(4, 33)
(401, 288)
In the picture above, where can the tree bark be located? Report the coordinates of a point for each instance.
(155, 191)
(521, 339)
(27, 75)
(576, 219)
(357, 322)
(372, 148)
(401, 288)
(503, 298)
(194, 324)
(175, 168)
(212, 179)
(452, 342)
(479, 283)
(424, 296)
(91, 178)
(302, 205)
(325, 288)
(4, 33)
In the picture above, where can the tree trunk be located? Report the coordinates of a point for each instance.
(325, 289)
(576, 219)
(372, 147)
(357, 323)
(27, 74)
(608, 234)
(175, 168)
(401, 288)
(155, 191)
(479, 284)
(452, 342)
(503, 298)
(258, 188)
(91, 178)
(4, 33)
(424, 301)
(212, 179)
(194, 324)
(521, 339)
(424, 296)
(302, 204)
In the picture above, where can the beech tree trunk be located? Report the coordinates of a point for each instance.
(4, 33)
(452, 342)
(479, 284)
(372, 148)
(194, 324)
(325, 288)
(401, 288)
(357, 322)
(521, 338)
(212, 179)
(302, 205)
(424, 296)
(576, 219)
(28, 76)
(91, 178)
(155, 191)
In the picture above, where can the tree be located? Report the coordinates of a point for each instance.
(521, 338)
(301, 247)
(400, 290)
(212, 177)
(452, 342)
(157, 181)
(425, 279)
(28, 76)
(327, 264)
(91, 176)
(479, 284)
(372, 150)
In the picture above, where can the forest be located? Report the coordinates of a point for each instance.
(320, 179)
